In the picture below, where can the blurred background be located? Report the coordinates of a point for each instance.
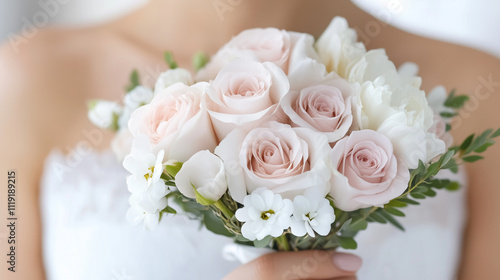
(474, 23)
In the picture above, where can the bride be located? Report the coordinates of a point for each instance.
(71, 209)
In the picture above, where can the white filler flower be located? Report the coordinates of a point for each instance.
(138, 97)
(148, 190)
(145, 210)
(264, 213)
(311, 213)
(172, 76)
(104, 114)
(146, 168)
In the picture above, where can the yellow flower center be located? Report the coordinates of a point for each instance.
(265, 215)
(150, 173)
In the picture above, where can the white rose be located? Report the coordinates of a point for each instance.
(405, 119)
(204, 172)
(337, 47)
(288, 161)
(243, 92)
(174, 117)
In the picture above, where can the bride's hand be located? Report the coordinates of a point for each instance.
(299, 265)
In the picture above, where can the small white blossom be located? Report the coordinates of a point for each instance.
(134, 99)
(172, 76)
(311, 213)
(104, 114)
(145, 210)
(264, 213)
(137, 97)
(146, 169)
(436, 98)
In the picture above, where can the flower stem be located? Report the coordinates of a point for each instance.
(225, 210)
(283, 244)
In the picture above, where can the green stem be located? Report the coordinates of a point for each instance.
(225, 210)
(342, 219)
(410, 189)
(283, 244)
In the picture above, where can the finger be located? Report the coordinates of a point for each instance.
(299, 265)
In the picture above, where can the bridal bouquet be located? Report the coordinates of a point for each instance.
(285, 142)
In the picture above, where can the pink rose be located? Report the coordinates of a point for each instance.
(242, 93)
(324, 107)
(285, 160)
(279, 47)
(365, 171)
(439, 128)
(176, 122)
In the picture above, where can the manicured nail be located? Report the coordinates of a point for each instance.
(347, 262)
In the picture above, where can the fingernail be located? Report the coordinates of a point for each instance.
(347, 262)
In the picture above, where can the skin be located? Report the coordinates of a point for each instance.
(45, 84)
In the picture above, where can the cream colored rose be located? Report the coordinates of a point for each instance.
(174, 117)
(243, 93)
(288, 161)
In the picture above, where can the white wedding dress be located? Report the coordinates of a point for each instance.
(86, 236)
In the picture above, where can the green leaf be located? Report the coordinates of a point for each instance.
(169, 59)
(394, 211)
(376, 217)
(453, 186)
(201, 199)
(466, 142)
(479, 141)
(200, 59)
(447, 114)
(241, 238)
(359, 224)
(173, 168)
(448, 127)
(433, 169)
(496, 133)
(417, 195)
(472, 158)
(397, 203)
(446, 157)
(430, 193)
(458, 102)
(134, 81)
(455, 102)
(391, 220)
(420, 189)
(484, 146)
(170, 210)
(409, 201)
(347, 242)
(345, 225)
(215, 224)
(264, 242)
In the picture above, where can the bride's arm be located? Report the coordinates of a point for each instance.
(23, 126)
